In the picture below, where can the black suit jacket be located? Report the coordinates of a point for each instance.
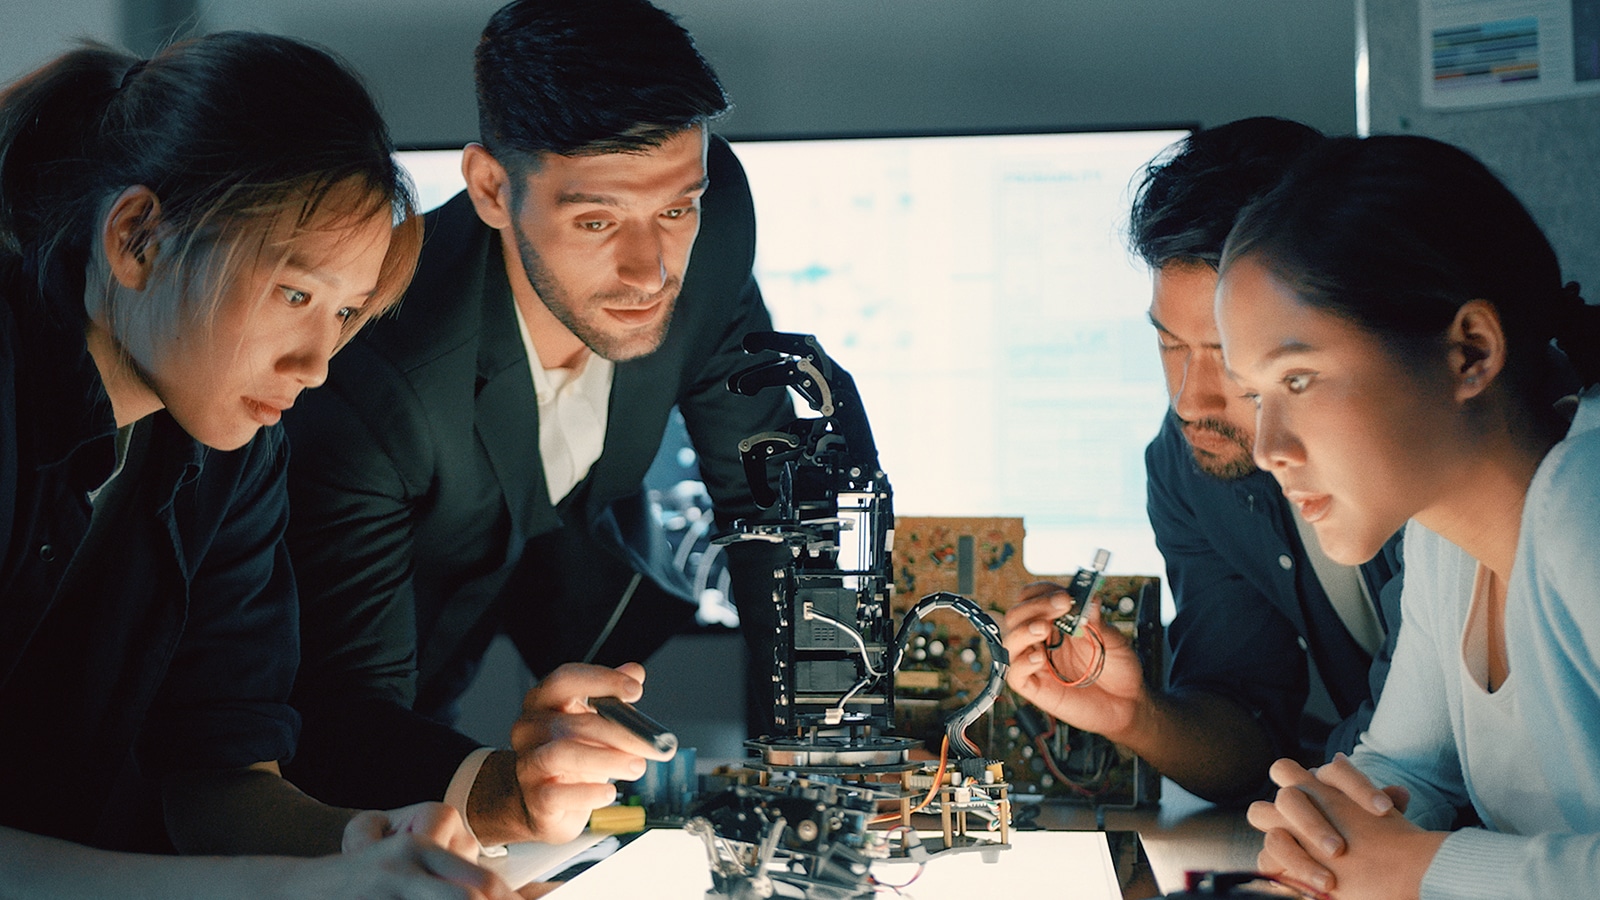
(416, 486)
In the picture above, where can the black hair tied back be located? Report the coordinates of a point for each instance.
(132, 73)
(1577, 332)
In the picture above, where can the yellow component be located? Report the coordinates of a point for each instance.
(617, 819)
(998, 771)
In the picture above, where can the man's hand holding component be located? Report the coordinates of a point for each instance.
(562, 760)
(1106, 704)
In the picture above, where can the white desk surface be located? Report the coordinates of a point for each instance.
(1183, 833)
(671, 864)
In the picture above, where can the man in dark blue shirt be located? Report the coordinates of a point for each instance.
(1256, 598)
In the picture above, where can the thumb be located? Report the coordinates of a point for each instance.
(1110, 635)
(364, 830)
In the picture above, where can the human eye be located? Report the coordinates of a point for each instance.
(678, 212)
(594, 225)
(1298, 382)
(1253, 397)
(294, 296)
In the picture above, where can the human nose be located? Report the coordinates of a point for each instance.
(306, 358)
(1201, 394)
(641, 263)
(1276, 446)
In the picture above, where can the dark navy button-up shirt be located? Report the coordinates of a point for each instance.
(152, 630)
(1249, 605)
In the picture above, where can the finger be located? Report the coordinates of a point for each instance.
(1034, 590)
(1267, 864)
(1284, 855)
(1110, 635)
(1308, 822)
(1027, 634)
(1025, 663)
(551, 802)
(589, 728)
(632, 670)
(542, 728)
(1286, 773)
(439, 824)
(600, 751)
(1344, 777)
(570, 685)
(364, 830)
(1040, 600)
(443, 864)
(1264, 816)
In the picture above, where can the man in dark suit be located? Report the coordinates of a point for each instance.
(475, 463)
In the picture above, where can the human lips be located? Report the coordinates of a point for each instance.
(1208, 440)
(266, 412)
(1312, 507)
(635, 315)
(1214, 436)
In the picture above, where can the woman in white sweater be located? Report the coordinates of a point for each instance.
(1391, 308)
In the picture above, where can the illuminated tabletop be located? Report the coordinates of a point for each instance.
(1069, 857)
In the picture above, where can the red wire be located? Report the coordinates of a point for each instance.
(1097, 660)
(896, 887)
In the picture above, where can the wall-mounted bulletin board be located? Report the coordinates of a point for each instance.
(1517, 83)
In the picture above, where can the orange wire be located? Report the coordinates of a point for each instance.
(938, 782)
(1091, 672)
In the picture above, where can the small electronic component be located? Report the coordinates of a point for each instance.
(1074, 623)
(623, 713)
(1081, 588)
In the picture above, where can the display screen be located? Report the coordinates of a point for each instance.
(979, 290)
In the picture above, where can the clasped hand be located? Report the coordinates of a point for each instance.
(1331, 829)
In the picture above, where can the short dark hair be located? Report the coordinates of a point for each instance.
(1395, 233)
(1189, 196)
(576, 77)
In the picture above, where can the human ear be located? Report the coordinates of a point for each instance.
(488, 184)
(128, 236)
(1477, 348)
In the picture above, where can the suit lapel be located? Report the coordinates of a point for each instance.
(507, 413)
(630, 382)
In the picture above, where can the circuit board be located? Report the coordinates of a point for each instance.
(946, 663)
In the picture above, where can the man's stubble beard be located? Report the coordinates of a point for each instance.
(1225, 469)
(559, 302)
